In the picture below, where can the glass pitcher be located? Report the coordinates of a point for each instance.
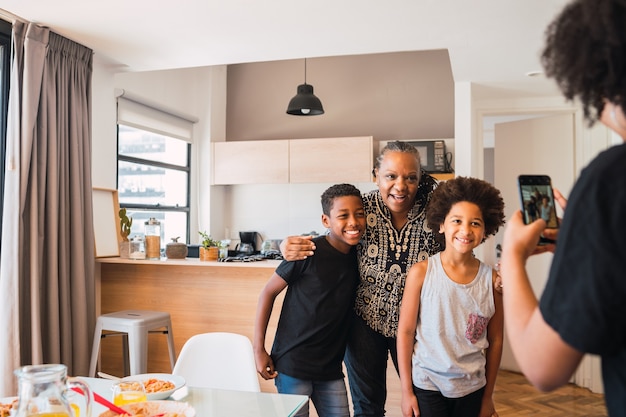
(43, 392)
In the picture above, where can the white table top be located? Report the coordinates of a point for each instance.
(210, 402)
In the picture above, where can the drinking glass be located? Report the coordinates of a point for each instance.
(129, 392)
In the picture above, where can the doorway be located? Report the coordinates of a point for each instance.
(538, 143)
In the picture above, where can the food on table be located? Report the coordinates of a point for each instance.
(158, 385)
(5, 409)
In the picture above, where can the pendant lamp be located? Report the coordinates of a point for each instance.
(305, 103)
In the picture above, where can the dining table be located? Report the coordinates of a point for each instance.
(211, 402)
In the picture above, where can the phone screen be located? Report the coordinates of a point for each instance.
(537, 199)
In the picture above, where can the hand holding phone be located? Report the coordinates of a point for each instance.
(537, 201)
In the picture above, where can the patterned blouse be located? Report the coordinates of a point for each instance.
(386, 254)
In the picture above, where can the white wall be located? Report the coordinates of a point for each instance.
(104, 133)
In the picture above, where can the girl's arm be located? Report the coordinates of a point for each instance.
(495, 336)
(409, 311)
(264, 363)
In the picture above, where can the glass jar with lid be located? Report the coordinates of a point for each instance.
(137, 247)
(153, 238)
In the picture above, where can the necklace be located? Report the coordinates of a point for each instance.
(399, 243)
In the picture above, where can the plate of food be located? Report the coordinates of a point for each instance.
(155, 408)
(158, 386)
(6, 405)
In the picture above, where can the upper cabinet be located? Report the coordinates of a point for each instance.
(251, 162)
(331, 160)
(348, 159)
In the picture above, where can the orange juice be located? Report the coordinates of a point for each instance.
(127, 397)
(50, 414)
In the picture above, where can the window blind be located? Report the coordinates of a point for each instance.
(143, 114)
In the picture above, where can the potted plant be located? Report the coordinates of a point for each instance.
(209, 251)
(125, 225)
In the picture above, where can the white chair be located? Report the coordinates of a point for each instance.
(218, 360)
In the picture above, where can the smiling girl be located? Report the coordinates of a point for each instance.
(450, 327)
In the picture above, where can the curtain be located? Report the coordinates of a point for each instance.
(47, 257)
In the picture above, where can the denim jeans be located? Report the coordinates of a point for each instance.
(329, 397)
(366, 359)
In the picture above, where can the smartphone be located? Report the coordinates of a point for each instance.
(537, 200)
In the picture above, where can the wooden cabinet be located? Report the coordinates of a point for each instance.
(348, 159)
(251, 162)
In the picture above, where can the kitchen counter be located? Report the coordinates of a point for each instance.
(268, 263)
(201, 296)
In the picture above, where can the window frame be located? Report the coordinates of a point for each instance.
(157, 164)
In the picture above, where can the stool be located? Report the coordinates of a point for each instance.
(133, 326)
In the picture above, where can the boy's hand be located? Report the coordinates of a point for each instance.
(265, 365)
(296, 248)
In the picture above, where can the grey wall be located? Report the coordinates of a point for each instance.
(404, 95)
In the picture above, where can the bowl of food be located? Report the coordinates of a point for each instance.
(155, 408)
(7, 406)
(158, 386)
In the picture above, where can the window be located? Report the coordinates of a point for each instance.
(5, 76)
(153, 170)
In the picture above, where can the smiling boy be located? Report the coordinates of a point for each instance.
(312, 330)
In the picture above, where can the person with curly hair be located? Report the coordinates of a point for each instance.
(582, 308)
(450, 332)
(395, 238)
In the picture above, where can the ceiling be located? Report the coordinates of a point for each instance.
(491, 43)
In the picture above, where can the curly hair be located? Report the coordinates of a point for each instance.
(585, 52)
(473, 190)
(335, 191)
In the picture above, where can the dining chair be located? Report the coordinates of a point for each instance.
(218, 360)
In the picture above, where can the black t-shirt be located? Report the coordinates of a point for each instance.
(313, 327)
(585, 298)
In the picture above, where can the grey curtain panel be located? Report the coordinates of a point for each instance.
(47, 258)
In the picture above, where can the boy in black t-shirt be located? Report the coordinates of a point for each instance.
(312, 330)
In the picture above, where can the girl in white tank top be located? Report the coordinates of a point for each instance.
(450, 330)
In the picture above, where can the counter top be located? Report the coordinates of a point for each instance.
(268, 263)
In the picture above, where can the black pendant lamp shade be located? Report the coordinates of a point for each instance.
(305, 103)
